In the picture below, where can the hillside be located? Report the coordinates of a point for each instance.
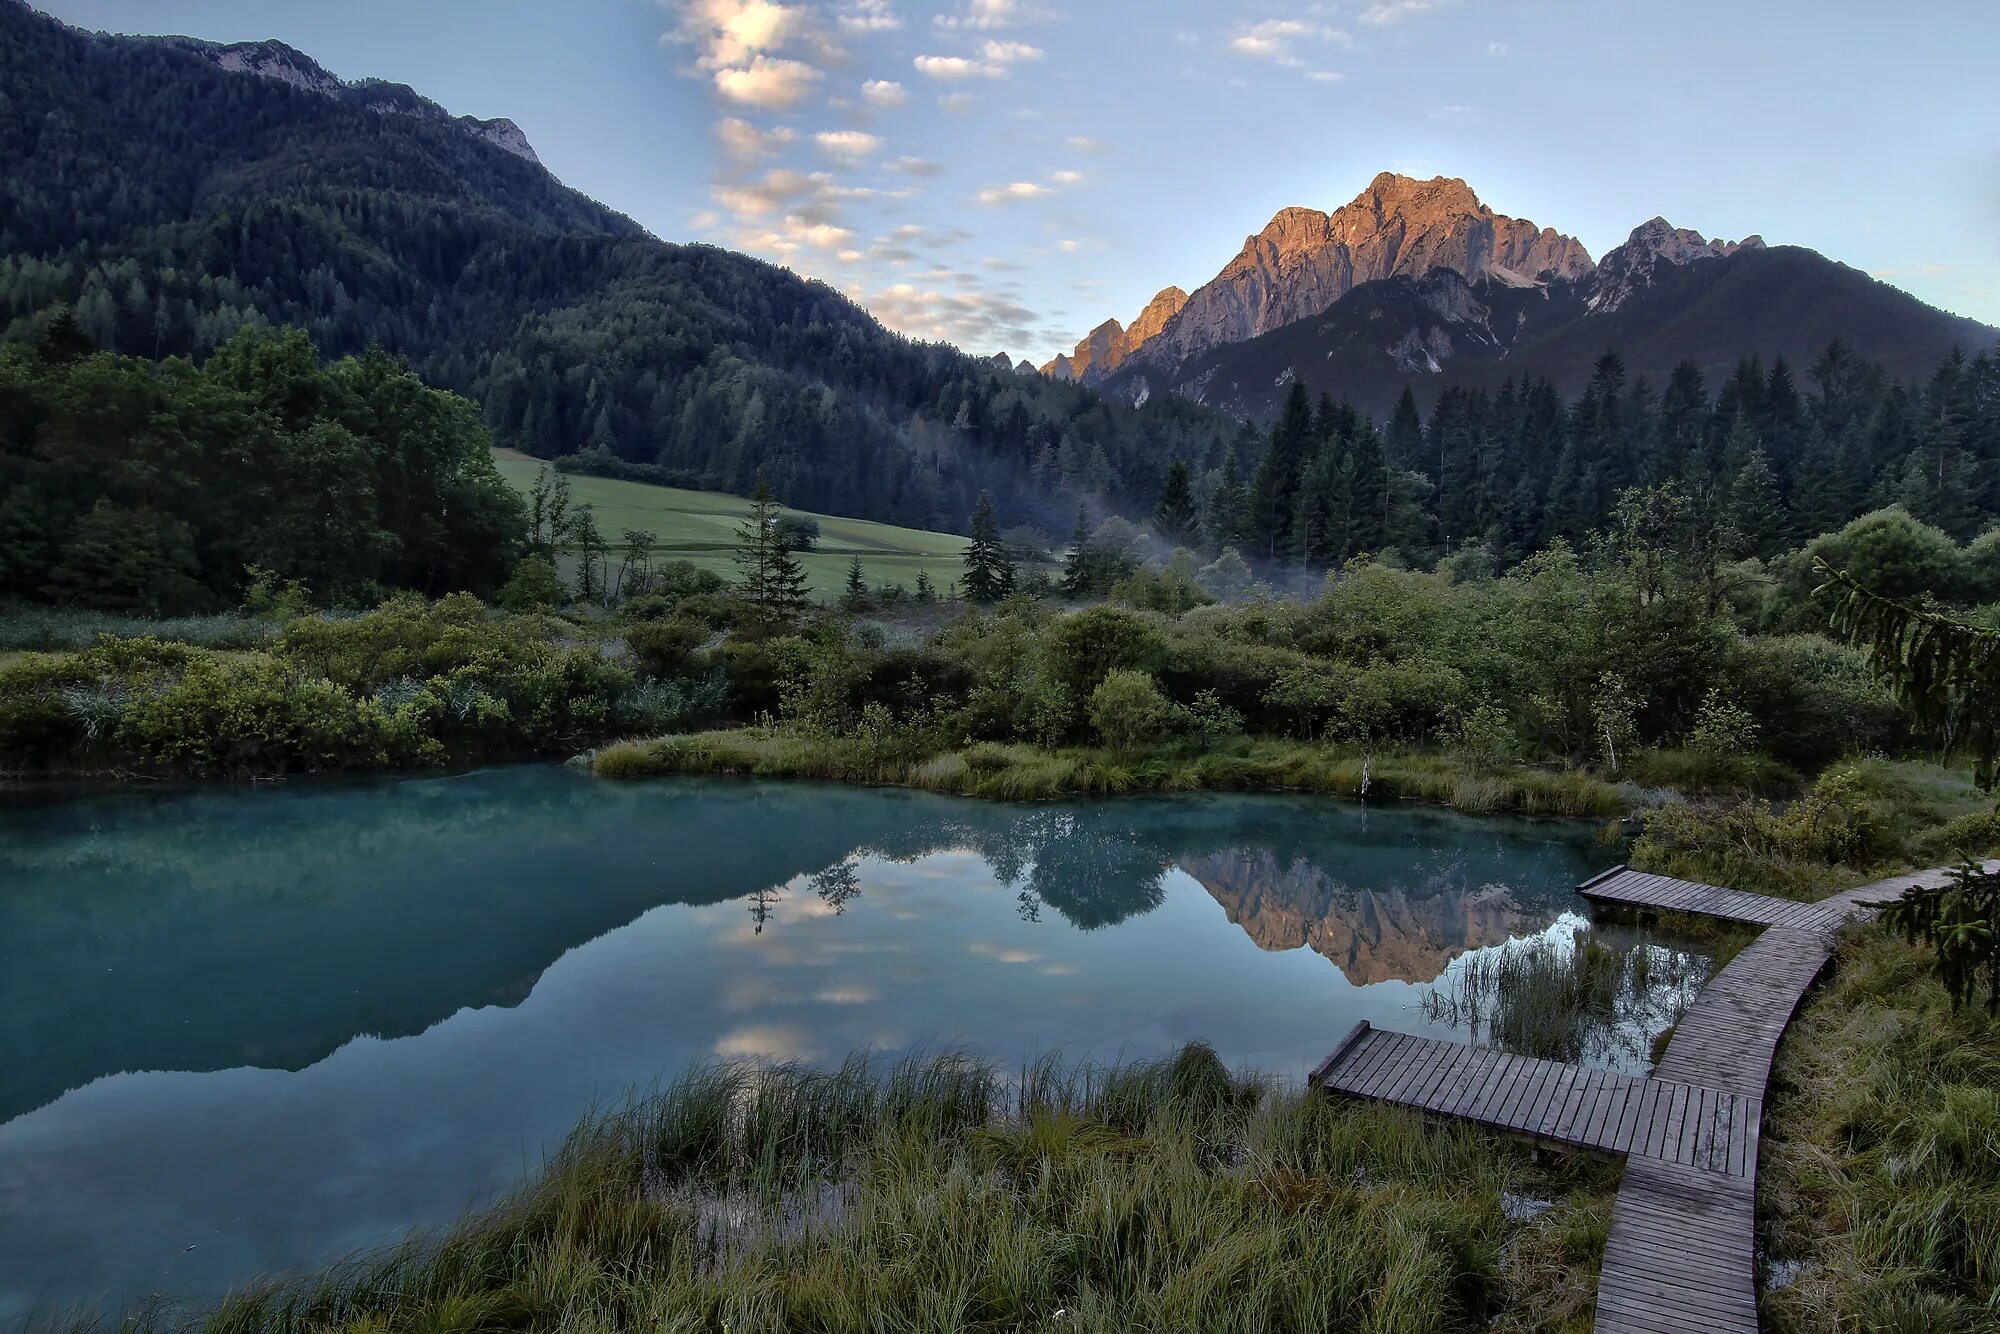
(700, 527)
(172, 191)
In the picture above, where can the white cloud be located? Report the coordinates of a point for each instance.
(1324, 76)
(989, 14)
(1010, 53)
(744, 142)
(731, 31)
(1067, 178)
(865, 16)
(1007, 194)
(1277, 39)
(955, 69)
(1395, 11)
(1084, 144)
(1498, 48)
(1451, 113)
(916, 166)
(767, 81)
(884, 93)
(956, 104)
(847, 145)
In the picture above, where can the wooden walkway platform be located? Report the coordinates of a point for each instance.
(1681, 1255)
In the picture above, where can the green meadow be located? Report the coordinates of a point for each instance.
(700, 527)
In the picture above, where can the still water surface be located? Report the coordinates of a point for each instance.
(242, 1031)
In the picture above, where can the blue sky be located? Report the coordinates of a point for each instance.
(1005, 174)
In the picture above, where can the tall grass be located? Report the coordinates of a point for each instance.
(938, 1195)
(1030, 773)
(55, 630)
(1881, 1178)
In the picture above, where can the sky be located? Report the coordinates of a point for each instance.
(1006, 174)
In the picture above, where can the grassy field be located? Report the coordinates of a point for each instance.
(700, 527)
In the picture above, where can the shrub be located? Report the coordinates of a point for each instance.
(1086, 646)
(533, 586)
(1128, 710)
(664, 647)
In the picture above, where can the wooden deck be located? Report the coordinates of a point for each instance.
(1681, 1255)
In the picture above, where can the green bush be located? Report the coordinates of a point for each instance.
(1128, 710)
(663, 648)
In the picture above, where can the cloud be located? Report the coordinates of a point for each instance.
(884, 93)
(1451, 113)
(956, 104)
(1277, 39)
(1067, 177)
(985, 15)
(954, 69)
(1010, 53)
(730, 32)
(847, 145)
(1498, 48)
(744, 142)
(1324, 76)
(1083, 143)
(916, 166)
(1008, 194)
(1395, 11)
(767, 81)
(866, 16)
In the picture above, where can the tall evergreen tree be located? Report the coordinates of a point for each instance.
(1756, 510)
(770, 580)
(989, 573)
(1076, 565)
(855, 596)
(1177, 516)
(1274, 495)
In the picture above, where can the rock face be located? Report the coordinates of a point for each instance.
(1305, 260)
(1630, 268)
(1111, 344)
(283, 64)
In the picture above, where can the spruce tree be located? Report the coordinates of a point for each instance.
(1076, 566)
(1228, 507)
(1756, 511)
(1405, 445)
(772, 580)
(1176, 516)
(855, 597)
(1274, 496)
(989, 574)
(926, 590)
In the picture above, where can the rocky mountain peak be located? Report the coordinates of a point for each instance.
(1631, 267)
(1305, 260)
(284, 64)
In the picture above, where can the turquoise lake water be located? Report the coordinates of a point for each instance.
(245, 1030)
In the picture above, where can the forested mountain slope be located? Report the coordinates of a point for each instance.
(171, 200)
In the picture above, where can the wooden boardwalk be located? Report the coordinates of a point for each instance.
(1681, 1255)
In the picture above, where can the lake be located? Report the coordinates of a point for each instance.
(243, 1030)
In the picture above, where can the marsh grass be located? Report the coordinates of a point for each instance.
(939, 1195)
(1881, 1177)
(57, 630)
(1030, 773)
(1570, 1000)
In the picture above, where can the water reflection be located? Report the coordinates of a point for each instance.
(242, 1030)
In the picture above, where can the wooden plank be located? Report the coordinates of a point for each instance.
(1325, 1067)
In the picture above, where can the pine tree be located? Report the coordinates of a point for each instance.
(1176, 516)
(855, 598)
(1274, 496)
(1076, 565)
(989, 574)
(926, 590)
(1756, 511)
(772, 580)
(1405, 445)
(1228, 507)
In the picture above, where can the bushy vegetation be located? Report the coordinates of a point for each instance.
(935, 1195)
(410, 684)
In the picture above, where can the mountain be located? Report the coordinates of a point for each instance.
(1108, 346)
(171, 191)
(1666, 295)
(1304, 261)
